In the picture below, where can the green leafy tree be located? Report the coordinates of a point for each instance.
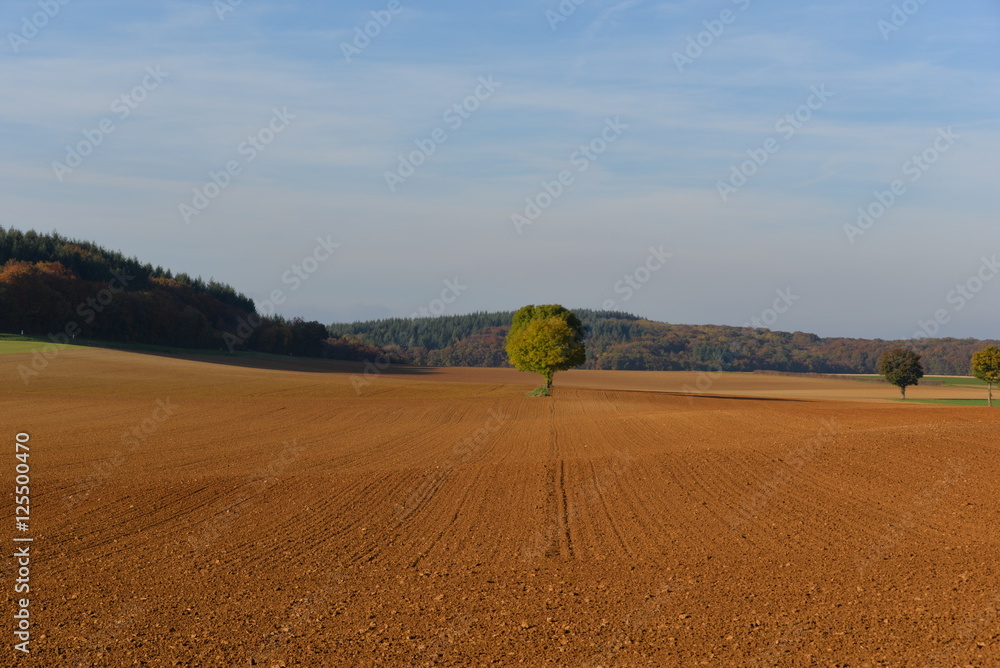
(545, 339)
(901, 367)
(986, 367)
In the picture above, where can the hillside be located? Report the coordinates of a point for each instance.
(623, 341)
(67, 289)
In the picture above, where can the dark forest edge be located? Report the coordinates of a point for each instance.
(63, 289)
(66, 290)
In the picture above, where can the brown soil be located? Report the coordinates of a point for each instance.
(282, 518)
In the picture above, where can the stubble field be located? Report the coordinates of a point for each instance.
(201, 514)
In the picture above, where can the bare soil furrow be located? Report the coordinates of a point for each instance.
(285, 516)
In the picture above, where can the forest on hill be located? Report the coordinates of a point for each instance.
(617, 340)
(66, 289)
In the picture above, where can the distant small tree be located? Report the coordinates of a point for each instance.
(545, 339)
(986, 367)
(901, 367)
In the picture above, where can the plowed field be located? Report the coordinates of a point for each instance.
(199, 514)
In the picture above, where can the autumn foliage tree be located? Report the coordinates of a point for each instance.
(62, 288)
(901, 367)
(545, 339)
(986, 367)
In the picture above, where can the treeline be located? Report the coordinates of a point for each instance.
(623, 341)
(476, 339)
(89, 262)
(66, 289)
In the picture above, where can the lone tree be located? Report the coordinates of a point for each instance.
(986, 367)
(545, 339)
(901, 367)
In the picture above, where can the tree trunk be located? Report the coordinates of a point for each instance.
(902, 390)
(989, 394)
(548, 380)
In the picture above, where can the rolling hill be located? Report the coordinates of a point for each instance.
(66, 289)
(624, 341)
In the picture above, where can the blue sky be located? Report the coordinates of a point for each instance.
(711, 154)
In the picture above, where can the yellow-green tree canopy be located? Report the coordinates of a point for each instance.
(986, 367)
(901, 367)
(545, 339)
